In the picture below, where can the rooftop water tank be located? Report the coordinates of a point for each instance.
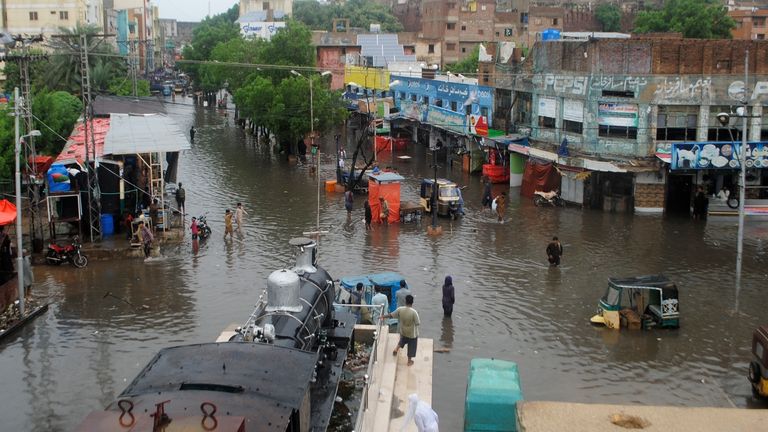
(550, 35)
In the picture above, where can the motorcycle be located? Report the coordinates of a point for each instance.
(541, 198)
(204, 231)
(58, 254)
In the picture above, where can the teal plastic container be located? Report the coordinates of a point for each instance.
(493, 391)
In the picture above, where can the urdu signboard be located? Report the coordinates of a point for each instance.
(617, 114)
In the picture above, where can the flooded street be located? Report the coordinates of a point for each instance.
(509, 304)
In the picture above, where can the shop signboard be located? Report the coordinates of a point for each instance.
(478, 125)
(617, 114)
(717, 155)
(447, 119)
(413, 110)
(260, 29)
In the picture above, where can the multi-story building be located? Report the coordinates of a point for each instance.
(632, 123)
(275, 9)
(46, 17)
(461, 25)
(751, 24)
(138, 39)
(169, 35)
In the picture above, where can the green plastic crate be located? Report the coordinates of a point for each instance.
(493, 391)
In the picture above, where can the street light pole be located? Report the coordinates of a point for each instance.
(742, 178)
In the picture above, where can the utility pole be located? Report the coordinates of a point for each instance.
(91, 164)
(23, 58)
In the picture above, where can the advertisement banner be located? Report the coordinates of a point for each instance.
(573, 110)
(717, 155)
(617, 114)
(260, 29)
(547, 107)
(478, 125)
(413, 110)
(447, 119)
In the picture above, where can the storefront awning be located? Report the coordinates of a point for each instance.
(135, 134)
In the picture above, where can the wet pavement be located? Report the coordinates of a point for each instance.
(108, 320)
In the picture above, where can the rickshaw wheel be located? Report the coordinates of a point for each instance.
(754, 372)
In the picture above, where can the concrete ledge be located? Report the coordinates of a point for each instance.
(575, 417)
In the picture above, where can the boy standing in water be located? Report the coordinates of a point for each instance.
(228, 224)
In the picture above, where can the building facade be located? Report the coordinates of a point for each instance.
(30, 17)
(751, 24)
(614, 111)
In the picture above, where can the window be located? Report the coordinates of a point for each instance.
(463, 49)
(63, 15)
(33, 16)
(537, 21)
(482, 7)
(573, 116)
(343, 51)
(463, 28)
(481, 31)
(454, 106)
(439, 103)
(547, 112)
(554, 21)
(425, 100)
(451, 26)
(677, 123)
(617, 120)
(497, 34)
(467, 109)
(450, 47)
(265, 6)
(431, 49)
(484, 111)
(524, 18)
(414, 97)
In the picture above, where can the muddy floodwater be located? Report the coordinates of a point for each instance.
(509, 304)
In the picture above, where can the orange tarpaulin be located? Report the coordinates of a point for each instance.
(7, 212)
(543, 177)
(387, 185)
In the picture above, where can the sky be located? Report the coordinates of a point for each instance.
(191, 10)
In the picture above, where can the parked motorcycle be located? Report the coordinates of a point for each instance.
(541, 198)
(204, 231)
(58, 254)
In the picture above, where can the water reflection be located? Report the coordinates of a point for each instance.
(446, 334)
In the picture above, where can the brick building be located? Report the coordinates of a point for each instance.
(751, 24)
(613, 114)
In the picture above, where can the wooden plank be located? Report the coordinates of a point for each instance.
(385, 389)
(412, 379)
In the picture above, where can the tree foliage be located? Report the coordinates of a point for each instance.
(6, 142)
(59, 111)
(468, 65)
(124, 87)
(211, 32)
(702, 19)
(609, 16)
(361, 13)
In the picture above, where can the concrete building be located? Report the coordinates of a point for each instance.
(46, 17)
(135, 22)
(751, 24)
(185, 29)
(275, 9)
(623, 120)
(334, 50)
(462, 24)
(169, 35)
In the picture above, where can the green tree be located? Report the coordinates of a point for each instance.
(63, 70)
(609, 16)
(468, 64)
(702, 19)
(7, 162)
(124, 87)
(211, 32)
(59, 111)
(361, 13)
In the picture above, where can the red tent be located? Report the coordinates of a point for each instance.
(7, 212)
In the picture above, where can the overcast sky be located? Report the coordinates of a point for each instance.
(191, 10)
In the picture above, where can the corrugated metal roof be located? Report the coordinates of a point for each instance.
(132, 134)
(103, 106)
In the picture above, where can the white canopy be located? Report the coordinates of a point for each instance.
(152, 133)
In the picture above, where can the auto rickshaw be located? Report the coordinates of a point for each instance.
(447, 197)
(758, 368)
(639, 302)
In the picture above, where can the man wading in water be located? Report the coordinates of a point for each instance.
(554, 252)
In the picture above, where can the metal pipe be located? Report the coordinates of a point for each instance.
(19, 257)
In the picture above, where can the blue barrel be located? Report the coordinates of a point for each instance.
(107, 224)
